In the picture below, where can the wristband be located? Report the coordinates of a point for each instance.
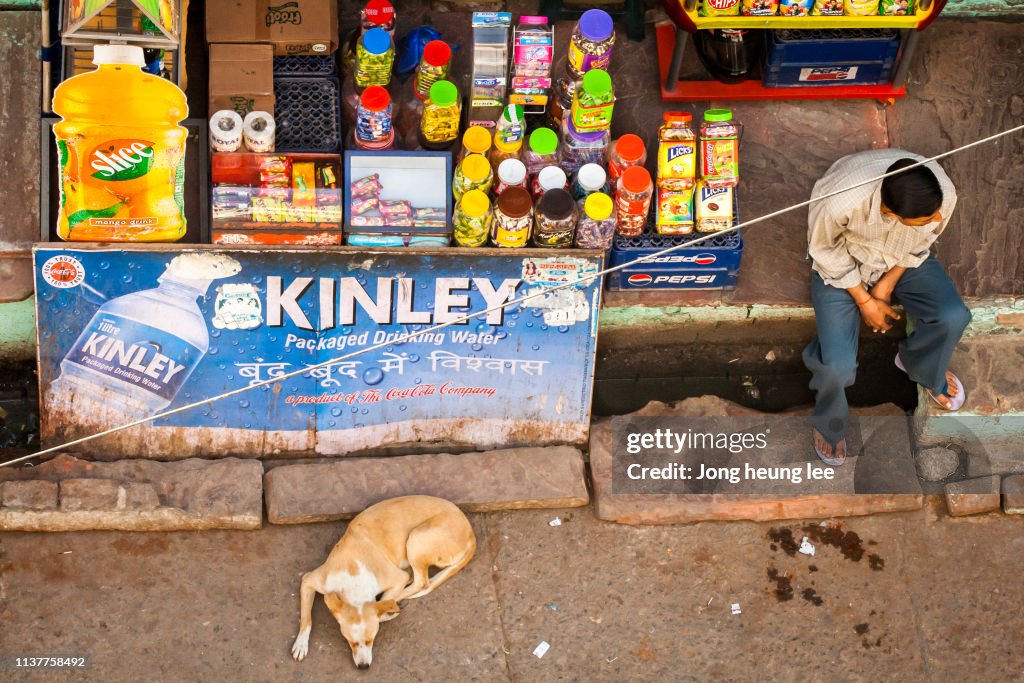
(861, 303)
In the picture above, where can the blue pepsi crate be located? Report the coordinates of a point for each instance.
(721, 251)
(641, 277)
(832, 46)
(712, 264)
(817, 75)
(830, 57)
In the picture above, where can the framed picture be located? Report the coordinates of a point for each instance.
(398, 193)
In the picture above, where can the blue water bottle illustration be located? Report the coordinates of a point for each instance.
(139, 349)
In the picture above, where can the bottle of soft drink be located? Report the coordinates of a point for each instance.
(121, 152)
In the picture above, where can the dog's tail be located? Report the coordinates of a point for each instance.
(449, 571)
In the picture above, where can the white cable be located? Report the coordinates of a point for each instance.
(540, 292)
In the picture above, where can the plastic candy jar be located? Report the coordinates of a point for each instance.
(633, 200)
(555, 220)
(591, 44)
(375, 56)
(513, 217)
(596, 228)
(373, 119)
(472, 220)
(439, 127)
(433, 67)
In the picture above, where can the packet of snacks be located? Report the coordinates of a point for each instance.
(827, 8)
(896, 8)
(861, 8)
(795, 8)
(759, 8)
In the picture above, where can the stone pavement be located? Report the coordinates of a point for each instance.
(907, 596)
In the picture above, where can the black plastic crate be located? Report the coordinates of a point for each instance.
(305, 65)
(307, 114)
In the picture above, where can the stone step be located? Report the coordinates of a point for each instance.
(515, 478)
(895, 472)
(70, 494)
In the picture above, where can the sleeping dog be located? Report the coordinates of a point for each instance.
(365, 577)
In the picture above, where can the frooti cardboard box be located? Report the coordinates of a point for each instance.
(241, 78)
(293, 27)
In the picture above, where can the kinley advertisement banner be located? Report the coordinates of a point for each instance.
(128, 333)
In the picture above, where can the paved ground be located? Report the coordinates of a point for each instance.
(902, 597)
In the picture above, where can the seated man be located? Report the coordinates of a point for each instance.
(870, 245)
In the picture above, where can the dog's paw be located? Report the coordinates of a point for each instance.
(301, 646)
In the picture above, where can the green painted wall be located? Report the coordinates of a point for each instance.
(18, 330)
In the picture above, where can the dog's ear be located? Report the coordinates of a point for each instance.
(386, 607)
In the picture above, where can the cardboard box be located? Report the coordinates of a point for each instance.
(241, 78)
(293, 27)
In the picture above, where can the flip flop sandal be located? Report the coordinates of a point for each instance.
(829, 460)
(955, 402)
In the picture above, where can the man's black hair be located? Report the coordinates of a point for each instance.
(912, 194)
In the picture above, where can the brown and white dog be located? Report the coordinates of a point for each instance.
(365, 576)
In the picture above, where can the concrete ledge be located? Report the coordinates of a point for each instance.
(69, 494)
(516, 478)
(686, 508)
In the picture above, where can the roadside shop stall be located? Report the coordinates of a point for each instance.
(792, 49)
(327, 209)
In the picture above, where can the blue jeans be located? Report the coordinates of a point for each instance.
(940, 318)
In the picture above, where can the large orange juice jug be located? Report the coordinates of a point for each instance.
(121, 152)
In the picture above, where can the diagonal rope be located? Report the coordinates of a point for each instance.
(542, 291)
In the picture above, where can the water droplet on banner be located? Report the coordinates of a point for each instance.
(336, 412)
(477, 347)
(243, 404)
(373, 376)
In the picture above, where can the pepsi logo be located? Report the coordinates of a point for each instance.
(704, 259)
(640, 280)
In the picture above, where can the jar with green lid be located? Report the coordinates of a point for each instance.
(541, 151)
(593, 101)
(473, 173)
(555, 219)
(375, 57)
(472, 220)
(510, 126)
(439, 127)
(720, 149)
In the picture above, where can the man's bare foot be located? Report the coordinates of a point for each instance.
(951, 399)
(830, 455)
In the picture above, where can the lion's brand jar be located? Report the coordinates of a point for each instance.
(591, 44)
(513, 218)
(719, 149)
(555, 220)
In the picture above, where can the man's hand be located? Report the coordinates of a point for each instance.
(876, 314)
(882, 291)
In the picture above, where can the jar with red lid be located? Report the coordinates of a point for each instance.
(433, 67)
(378, 14)
(627, 151)
(633, 200)
(373, 120)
